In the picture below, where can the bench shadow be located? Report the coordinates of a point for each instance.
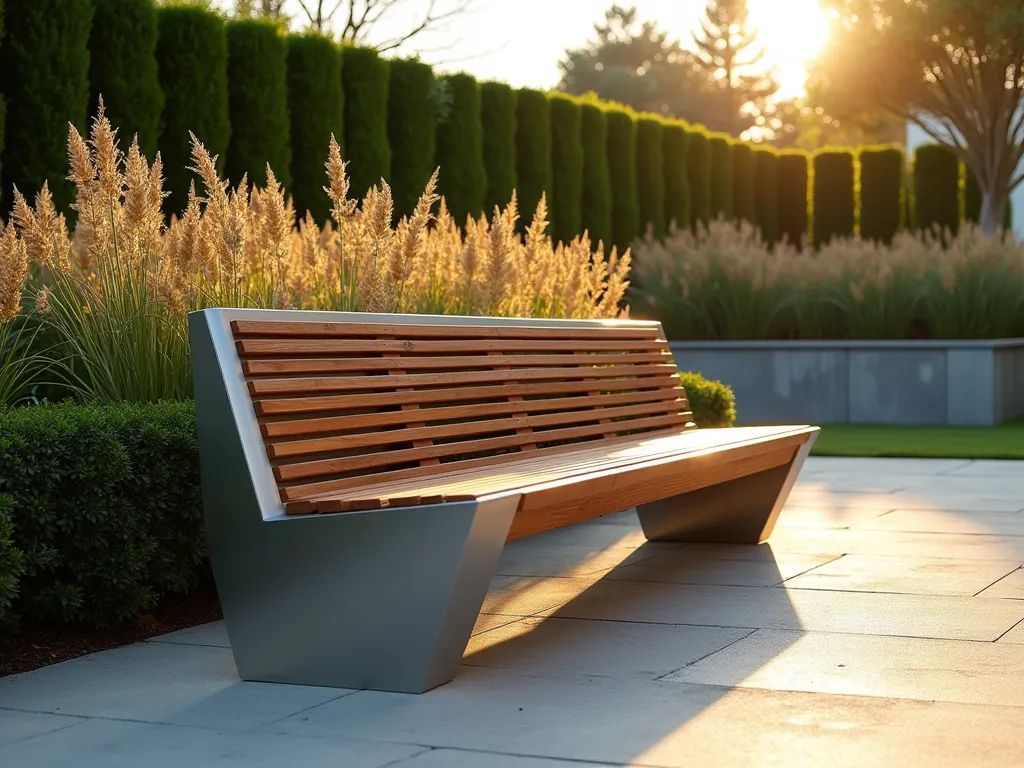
(626, 609)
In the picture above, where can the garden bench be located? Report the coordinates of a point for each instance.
(361, 473)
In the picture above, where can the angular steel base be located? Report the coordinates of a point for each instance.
(741, 511)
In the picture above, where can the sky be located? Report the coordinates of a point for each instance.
(521, 41)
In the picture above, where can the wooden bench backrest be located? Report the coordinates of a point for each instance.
(342, 405)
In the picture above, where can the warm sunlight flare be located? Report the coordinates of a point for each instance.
(792, 33)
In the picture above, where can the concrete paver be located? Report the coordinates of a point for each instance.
(882, 625)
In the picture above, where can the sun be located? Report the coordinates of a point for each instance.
(792, 33)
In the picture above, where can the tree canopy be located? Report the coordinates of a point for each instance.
(953, 67)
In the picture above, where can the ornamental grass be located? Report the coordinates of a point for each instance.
(107, 301)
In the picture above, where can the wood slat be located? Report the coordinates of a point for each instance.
(302, 346)
(264, 367)
(305, 426)
(355, 383)
(465, 429)
(309, 469)
(328, 488)
(409, 331)
(299, 405)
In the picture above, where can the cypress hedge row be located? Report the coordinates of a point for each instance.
(316, 109)
(650, 175)
(622, 172)
(936, 188)
(596, 202)
(698, 171)
(743, 203)
(498, 115)
(793, 171)
(44, 69)
(412, 131)
(122, 69)
(721, 176)
(674, 149)
(834, 201)
(258, 102)
(364, 78)
(533, 151)
(460, 150)
(881, 193)
(766, 193)
(566, 168)
(192, 59)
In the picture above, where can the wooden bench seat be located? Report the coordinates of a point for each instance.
(362, 430)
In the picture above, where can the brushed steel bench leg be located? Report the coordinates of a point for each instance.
(382, 600)
(742, 511)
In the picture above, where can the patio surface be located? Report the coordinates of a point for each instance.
(883, 625)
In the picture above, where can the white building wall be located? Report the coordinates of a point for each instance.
(917, 137)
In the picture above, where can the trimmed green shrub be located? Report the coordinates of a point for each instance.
(834, 201)
(364, 78)
(674, 150)
(460, 150)
(881, 193)
(743, 204)
(712, 402)
(650, 175)
(596, 204)
(12, 561)
(412, 131)
(192, 61)
(258, 102)
(107, 507)
(699, 173)
(622, 173)
(793, 172)
(44, 77)
(936, 188)
(316, 109)
(720, 149)
(766, 193)
(533, 151)
(122, 69)
(566, 168)
(498, 115)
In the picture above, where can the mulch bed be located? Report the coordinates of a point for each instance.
(33, 647)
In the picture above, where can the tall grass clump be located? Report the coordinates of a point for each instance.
(122, 68)
(112, 298)
(316, 109)
(724, 282)
(258, 101)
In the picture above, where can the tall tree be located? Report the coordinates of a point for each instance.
(728, 56)
(636, 64)
(953, 67)
(357, 20)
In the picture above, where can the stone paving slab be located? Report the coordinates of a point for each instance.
(913, 575)
(1015, 635)
(934, 521)
(674, 725)
(120, 744)
(1011, 587)
(17, 726)
(866, 665)
(690, 567)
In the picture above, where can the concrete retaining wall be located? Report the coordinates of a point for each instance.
(866, 382)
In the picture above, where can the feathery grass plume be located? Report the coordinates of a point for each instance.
(13, 271)
(17, 361)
